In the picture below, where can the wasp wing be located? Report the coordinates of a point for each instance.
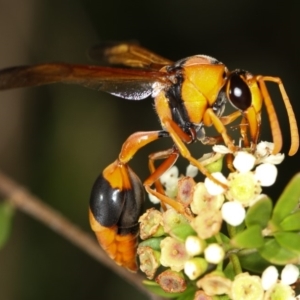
(125, 83)
(128, 54)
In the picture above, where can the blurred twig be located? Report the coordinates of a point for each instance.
(36, 208)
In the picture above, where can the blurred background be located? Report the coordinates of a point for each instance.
(56, 139)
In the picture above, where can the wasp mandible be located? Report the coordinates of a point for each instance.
(189, 95)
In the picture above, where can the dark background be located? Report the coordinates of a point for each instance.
(56, 139)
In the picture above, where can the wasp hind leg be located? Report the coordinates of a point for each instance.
(170, 156)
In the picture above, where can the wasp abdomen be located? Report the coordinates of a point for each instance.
(115, 206)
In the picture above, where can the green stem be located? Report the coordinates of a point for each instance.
(231, 231)
(235, 263)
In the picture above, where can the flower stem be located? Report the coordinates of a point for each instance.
(235, 263)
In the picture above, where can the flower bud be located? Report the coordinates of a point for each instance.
(214, 253)
(233, 213)
(194, 245)
(195, 267)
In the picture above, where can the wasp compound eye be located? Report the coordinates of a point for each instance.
(238, 92)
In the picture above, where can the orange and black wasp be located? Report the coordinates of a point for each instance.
(189, 95)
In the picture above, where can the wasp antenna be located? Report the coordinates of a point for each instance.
(292, 119)
(274, 124)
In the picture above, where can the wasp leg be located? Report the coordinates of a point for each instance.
(170, 157)
(116, 203)
(161, 155)
(179, 137)
(225, 120)
(244, 126)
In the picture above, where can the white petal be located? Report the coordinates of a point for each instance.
(191, 171)
(266, 174)
(243, 161)
(274, 159)
(257, 198)
(153, 199)
(221, 149)
(264, 148)
(171, 183)
(233, 213)
(269, 277)
(169, 175)
(213, 188)
(289, 274)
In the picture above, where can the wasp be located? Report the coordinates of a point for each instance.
(189, 95)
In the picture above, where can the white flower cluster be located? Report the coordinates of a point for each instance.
(253, 171)
(209, 206)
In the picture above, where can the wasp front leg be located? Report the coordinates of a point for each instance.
(116, 203)
(243, 128)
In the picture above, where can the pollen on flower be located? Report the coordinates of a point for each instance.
(247, 287)
(243, 187)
